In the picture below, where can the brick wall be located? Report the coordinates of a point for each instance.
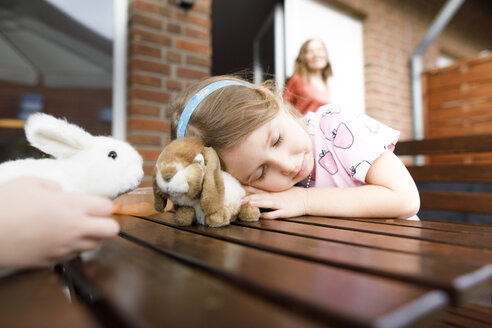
(168, 49)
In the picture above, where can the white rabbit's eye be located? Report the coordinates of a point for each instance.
(112, 154)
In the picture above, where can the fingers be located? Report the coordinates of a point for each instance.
(33, 181)
(253, 190)
(100, 228)
(272, 215)
(49, 184)
(88, 245)
(261, 201)
(93, 205)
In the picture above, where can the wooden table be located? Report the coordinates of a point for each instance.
(300, 272)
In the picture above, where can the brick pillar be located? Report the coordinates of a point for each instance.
(169, 48)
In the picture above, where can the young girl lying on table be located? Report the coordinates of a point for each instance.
(329, 163)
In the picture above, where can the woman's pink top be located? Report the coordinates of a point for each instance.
(305, 96)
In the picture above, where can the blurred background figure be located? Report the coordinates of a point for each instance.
(308, 88)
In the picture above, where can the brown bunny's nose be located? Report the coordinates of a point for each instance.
(168, 173)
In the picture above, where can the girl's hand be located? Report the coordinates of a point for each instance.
(284, 204)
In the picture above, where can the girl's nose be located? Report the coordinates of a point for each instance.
(285, 165)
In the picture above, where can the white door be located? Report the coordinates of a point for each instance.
(342, 35)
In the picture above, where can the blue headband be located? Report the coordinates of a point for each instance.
(197, 99)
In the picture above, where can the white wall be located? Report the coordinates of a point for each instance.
(342, 35)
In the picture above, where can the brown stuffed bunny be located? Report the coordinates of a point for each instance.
(189, 175)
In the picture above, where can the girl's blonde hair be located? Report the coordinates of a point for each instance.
(301, 66)
(229, 114)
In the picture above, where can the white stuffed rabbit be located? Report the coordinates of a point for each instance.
(84, 163)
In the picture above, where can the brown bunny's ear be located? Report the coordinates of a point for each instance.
(213, 183)
(160, 201)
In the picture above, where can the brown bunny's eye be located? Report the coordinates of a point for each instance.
(112, 154)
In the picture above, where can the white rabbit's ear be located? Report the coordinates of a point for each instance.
(55, 136)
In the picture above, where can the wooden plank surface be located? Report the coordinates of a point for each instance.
(473, 202)
(457, 278)
(475, 312)
(450, 238)
(460, 73)
(480, 229)
(449, 145)
(320, 291)
(35, 299)
(452, 173)
(376, 241)
(148, 289)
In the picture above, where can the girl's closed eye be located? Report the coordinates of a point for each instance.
(278, 141)
(262, 174)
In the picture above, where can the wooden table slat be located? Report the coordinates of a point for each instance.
(461, 321)
(330, 293)
(460, 280)
(475, 312)
(377, 241)
(452, 238)
(480, 229)
(35, 298)
(151, 290)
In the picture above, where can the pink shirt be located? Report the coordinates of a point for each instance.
(345, 146)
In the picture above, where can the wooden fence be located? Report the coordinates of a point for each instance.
(458, 102)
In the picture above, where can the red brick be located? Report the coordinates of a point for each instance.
(137, 34)
(145, 6)
(149, 154)
(173, 56)
(167, 11)
(197, 34)
(146, 21)
(145, 139)
(142, 79)
(148, 124)
(141, 109)
(174, 28)
(201, 48)
(174, 85)
(145, 65)
(195, 19)
(146, 182)
(199, 61)
(148, 170)
(140, 49)
(191, 73)
(202, 8)
(157, 96)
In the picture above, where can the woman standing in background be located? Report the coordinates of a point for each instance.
(307, 89)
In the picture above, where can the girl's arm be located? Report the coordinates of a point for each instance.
(390, 192)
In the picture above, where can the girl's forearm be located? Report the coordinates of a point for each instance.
(370, 201)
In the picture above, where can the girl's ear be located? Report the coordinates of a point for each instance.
(55, 136)
(212, 199)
